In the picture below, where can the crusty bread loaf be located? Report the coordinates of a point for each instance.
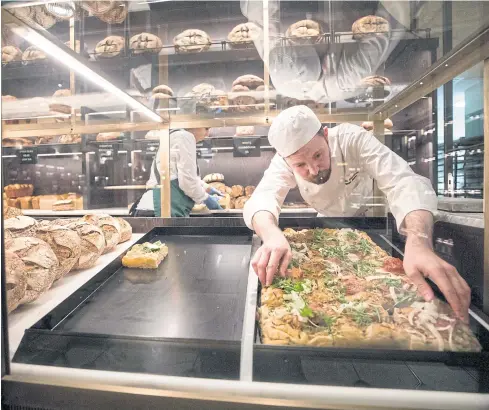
(249, 80)
(40, 262)
(65, 243)
(192, 40)
(214, 178)
(33, 53)
(126, 230)
(110, 228)
(18, 190)
(15, 278)
(370, 25)
(92, 241)
(11, 53)
(304, 32)
(240, 202)
(145, 43)
(109, 47)
(244, 34)
(21, 226)
(237, 191)
(249, 190)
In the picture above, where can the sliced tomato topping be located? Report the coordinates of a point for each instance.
(393, 265)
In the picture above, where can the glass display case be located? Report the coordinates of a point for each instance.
(93, 93)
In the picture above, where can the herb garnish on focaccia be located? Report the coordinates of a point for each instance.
(345, 291)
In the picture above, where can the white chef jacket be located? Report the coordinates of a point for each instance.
(183, 166)
(357, 157)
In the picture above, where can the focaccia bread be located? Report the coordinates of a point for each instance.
(92, 242)
(244, 131)
(370, 25)
(11, 53)
(65, 243)
(126, 230)
(21, 226)
(192, 40)
(145, 43)
(145, 256)
(109, 47)
(249, 80)
(304, 32)
(15, 271)
(40, 265)
(343, 290)
(244, 34)
(108, 136)
(237, 191)
(214, 178)
(110, 228)
(33, 53)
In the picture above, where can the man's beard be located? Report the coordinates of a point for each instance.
(322, 177)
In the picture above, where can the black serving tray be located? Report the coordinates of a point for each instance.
(466, 372)
(183, 319)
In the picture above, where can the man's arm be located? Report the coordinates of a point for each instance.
(413, 202)
(420, 262)
(261, 213)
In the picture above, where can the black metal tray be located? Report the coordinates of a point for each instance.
(185, 318)
(286, 363)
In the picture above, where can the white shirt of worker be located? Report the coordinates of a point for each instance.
(357, 158)
(183, 166)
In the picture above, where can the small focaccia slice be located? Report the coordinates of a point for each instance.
(145, 256)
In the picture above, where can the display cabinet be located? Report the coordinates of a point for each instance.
(86, 112)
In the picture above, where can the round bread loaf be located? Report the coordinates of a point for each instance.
(126, 230)
(240, 202)
(304, 32)
(244, 34)
(239, 87)
(249, 190)
(98, 8)
(11, 53)
(109, 47)
(65, 243)
(21, 226)
(40, 265)
(92, 243)
(237, 191)
(15, 279)
(43, 17)
(110, 228)
(33, 53)
(249, 80)
(145, 43)
(192, 40)
(117, 15)
(370, 25)
(243, 103)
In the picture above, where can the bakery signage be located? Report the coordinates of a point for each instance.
(27, 155)
(246, 147)
(204, 149)
(107, 151)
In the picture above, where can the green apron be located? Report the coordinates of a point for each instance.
(181, 204)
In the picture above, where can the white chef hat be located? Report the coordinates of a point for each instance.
(292, 129)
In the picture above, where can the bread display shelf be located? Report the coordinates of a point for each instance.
(77, 212)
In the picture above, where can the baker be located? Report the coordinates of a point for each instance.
(334, 171)
(187, 189)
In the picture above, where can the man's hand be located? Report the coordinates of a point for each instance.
(275, 254)
(420, 262)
